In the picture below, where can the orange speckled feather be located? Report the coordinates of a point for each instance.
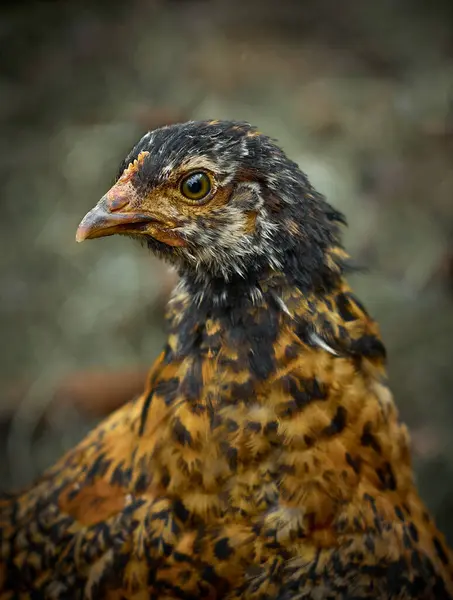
(265, 459)
(190, 489)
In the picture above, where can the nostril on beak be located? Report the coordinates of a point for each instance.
(117, 199)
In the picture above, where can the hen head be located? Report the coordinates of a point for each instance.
(220, 201)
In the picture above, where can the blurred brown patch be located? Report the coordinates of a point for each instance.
(98, 393)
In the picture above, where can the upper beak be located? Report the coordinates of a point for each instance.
(118, 212)
(100, 222)
(106, 217)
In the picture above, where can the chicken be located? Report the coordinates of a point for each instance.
(265, 458)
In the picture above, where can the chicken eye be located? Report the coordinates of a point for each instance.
(196, 186)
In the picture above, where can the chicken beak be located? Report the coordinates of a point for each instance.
(119, 212)
(106, 218)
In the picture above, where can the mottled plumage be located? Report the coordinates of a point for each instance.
(265, 459)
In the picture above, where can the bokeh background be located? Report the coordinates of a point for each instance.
(359, 93)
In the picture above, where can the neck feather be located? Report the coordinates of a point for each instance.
(248, 394)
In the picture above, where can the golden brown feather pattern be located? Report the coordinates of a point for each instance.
(264, 459)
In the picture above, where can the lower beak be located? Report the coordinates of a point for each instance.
(102, 221)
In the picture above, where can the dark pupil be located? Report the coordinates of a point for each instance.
(194, 184)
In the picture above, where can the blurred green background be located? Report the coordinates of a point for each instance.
(359, 93)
